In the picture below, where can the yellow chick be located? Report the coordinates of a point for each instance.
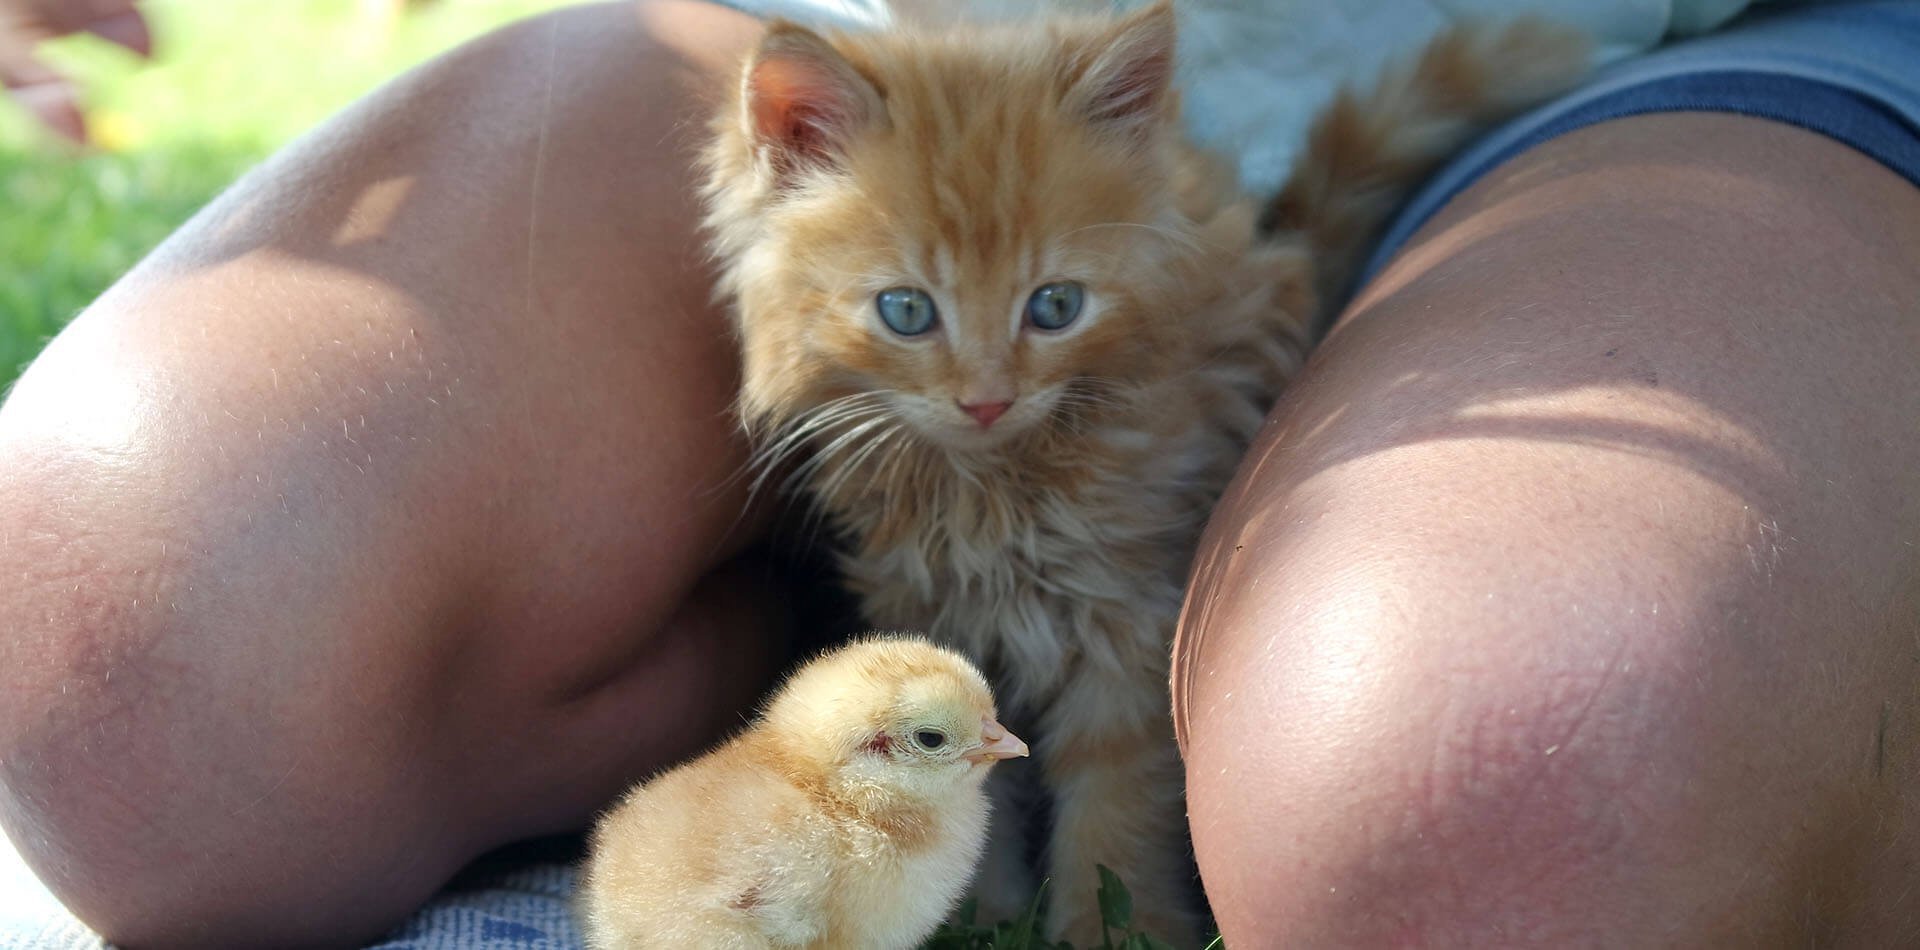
(850, 815)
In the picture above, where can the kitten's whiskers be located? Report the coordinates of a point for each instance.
(825, 453)
(795, 436)
(842, 473)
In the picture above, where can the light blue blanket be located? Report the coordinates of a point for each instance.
(516, 900)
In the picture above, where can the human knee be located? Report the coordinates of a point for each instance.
(1377, 752)
(172, 765)
(74, 792)
(1497, 644)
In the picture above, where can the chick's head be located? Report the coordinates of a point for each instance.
(894, 713)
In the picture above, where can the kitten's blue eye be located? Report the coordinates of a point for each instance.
(907, 311)
(1054, 306)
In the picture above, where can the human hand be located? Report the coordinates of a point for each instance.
(42, 91)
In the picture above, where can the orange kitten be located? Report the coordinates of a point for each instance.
(1024, 332)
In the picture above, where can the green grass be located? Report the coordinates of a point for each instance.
(1023, 932)
(232, 81)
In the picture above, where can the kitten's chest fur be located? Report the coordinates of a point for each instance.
(1063, 554)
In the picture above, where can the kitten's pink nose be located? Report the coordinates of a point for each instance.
(985, 412)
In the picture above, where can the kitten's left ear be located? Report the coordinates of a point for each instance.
(1126, 82)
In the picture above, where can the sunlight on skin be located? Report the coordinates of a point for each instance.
(107, 413)
(373, 211)
(108, 403)
(1552, 434)
(1358, 642)
(1666, 424)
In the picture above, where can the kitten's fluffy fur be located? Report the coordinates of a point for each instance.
(978, 163)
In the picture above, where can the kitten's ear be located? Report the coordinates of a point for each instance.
(803, 99)
(1127, 77)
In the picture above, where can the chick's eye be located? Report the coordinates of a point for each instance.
(1054, 306)
(930, 738)
(907, 311)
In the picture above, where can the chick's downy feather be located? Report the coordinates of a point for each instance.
(850, 815)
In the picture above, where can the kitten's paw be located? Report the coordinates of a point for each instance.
(1074, 914)
(1175, 926)
(1006, 882)
(1078, 924)
(1005, 888)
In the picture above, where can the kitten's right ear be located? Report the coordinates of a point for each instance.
(1124, 81)
(803, 99)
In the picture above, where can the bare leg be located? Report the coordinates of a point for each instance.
(371, 523)
(1572, 598)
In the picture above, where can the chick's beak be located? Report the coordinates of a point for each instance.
(996, 743)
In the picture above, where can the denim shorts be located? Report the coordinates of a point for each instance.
(1847, 70)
